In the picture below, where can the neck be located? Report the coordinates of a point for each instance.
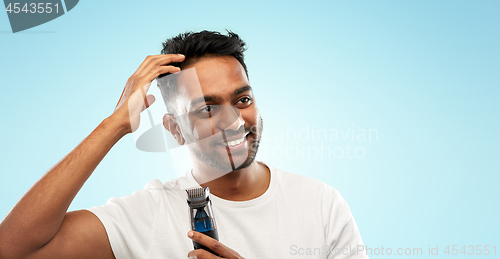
(241, 185)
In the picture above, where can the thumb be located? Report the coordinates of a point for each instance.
(150, 99)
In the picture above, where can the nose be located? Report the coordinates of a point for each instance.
(231, 119)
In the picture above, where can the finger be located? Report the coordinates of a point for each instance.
(144, 63)
(153, 58)
(192, 254)
(160, 60)
(152, 75)
(157, 65)
(150, 99)
(161, 70)
(210, 243)
(201, 254)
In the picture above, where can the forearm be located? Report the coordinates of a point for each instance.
(38, 215)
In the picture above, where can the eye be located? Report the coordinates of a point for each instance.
(245, 101)
(205, 109)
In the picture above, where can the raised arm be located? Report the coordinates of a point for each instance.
(39, 226)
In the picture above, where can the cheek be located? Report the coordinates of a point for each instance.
(251, 116)
(202, 128)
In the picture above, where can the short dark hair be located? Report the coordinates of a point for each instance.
(196, 46)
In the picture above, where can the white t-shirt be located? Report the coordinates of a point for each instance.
(297, 217)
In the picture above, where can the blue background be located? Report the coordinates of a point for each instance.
(423, 74)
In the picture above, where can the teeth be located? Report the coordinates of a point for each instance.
(235, 142)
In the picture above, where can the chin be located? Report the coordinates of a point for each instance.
(216, 156)
(222, 162)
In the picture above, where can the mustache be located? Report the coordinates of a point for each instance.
(218, 138)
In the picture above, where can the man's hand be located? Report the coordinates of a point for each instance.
(134, 99)
(39, 226)
(212, 244)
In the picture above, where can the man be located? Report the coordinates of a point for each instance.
(261, 212)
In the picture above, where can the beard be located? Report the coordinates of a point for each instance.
(230, 161)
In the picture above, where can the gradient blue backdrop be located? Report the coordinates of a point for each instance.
(423, 74)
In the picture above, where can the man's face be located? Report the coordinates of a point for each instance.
(219, 119)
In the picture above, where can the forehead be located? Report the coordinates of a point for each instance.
(213, 76)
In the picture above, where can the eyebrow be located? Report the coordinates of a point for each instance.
(213, 98)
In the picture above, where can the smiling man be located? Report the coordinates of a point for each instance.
(261, 211)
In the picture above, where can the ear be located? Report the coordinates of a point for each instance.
(173, 127)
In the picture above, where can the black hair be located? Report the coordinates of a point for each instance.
(195, 46)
